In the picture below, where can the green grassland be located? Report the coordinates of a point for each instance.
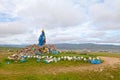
(31, 70)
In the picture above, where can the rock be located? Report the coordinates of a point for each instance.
(33, 50)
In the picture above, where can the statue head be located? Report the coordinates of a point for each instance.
(42, 30)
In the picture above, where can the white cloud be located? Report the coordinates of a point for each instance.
(106, 15)
(53, 13)
(70, 21)
(13, 28)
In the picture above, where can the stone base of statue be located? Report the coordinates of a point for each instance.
(33, 51)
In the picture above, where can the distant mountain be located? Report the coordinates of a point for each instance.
(84, 46)
(89, 46)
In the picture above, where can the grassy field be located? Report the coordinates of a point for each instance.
(31, 70)
(107, 74)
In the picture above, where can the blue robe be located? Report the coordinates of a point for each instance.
(42, 39)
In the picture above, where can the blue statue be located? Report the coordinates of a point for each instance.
(42, 39)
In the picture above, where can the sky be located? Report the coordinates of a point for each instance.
(64, 21)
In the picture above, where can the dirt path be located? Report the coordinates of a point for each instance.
(108, 62)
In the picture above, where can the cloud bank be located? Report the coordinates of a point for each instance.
(64, 21)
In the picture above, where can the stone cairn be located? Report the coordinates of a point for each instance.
(32, 51)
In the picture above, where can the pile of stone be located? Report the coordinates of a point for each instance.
(33, 50)
(48, 59)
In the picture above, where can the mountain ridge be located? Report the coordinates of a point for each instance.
(82, 46)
